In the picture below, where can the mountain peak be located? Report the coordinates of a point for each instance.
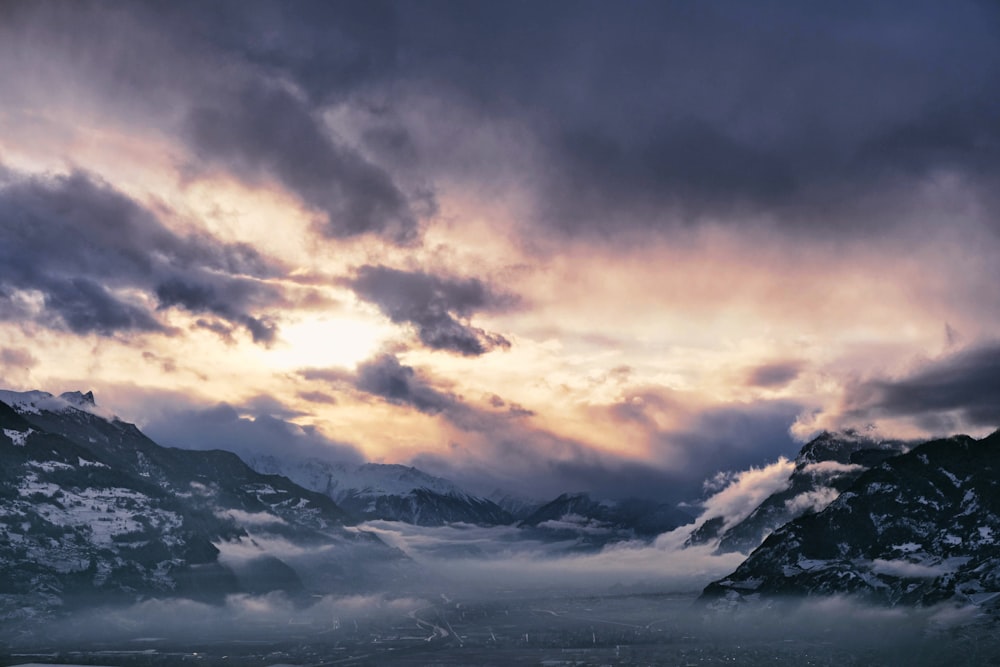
(917, 529)
(78, 398)
(842, 446)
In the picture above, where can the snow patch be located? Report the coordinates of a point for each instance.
(19, 438)
(50, 466)
(954, 480)
(84, 463)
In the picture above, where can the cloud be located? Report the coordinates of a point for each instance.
(830, 468)
(661, 117)
(17, 358)
(814, 501)
(493, 444)
(385, 377)
(730, 436)
(223, 427)
(79, 255)
(507, 560)
(958, 390)
(437, 306)
(497, 445)
(774, 375)
(267, 131)
(819, 122)
(907, 569)
(746, 491)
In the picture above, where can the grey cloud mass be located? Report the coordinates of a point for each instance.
(438, 307)
(85, 249)
(224, 427)
(774, 375)
(961, 390)
(386, 378)
(673, 112)
(268, 131)
(820, 119)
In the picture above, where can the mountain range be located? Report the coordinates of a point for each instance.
(93, 510)
(388, 492)
(921, 527)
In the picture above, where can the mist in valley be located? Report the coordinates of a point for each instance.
(468, 595)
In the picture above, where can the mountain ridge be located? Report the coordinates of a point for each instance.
(94, 510)
(919, 528)
(823, 468)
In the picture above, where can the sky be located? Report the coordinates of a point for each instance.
(535, 247)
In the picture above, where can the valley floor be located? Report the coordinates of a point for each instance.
(655, 629)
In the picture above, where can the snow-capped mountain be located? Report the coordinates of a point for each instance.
(388, 492)
(918, 528)
(517, 506)
(823, 469)
(577, 516)
(93, 509)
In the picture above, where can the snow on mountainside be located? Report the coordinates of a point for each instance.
(388, 492)
(91, 509)
(823, 469)
(34, 402)
(918, 528)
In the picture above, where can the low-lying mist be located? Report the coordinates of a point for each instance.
(478, 560)
(484, 591)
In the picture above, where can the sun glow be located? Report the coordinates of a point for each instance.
(325, 341)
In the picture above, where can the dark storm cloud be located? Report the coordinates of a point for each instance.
(667, 111)
(223, 427)
(815, 116)
(739, 435)
(774, 375)
(435, 305)
(96, 259)
(966, 384)
(269, 131)
(388, 379)
(329, 49)
(821, 118)
(385, 377)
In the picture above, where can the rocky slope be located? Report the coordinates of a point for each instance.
(823, 469)
(91, 509)
(919, 528)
